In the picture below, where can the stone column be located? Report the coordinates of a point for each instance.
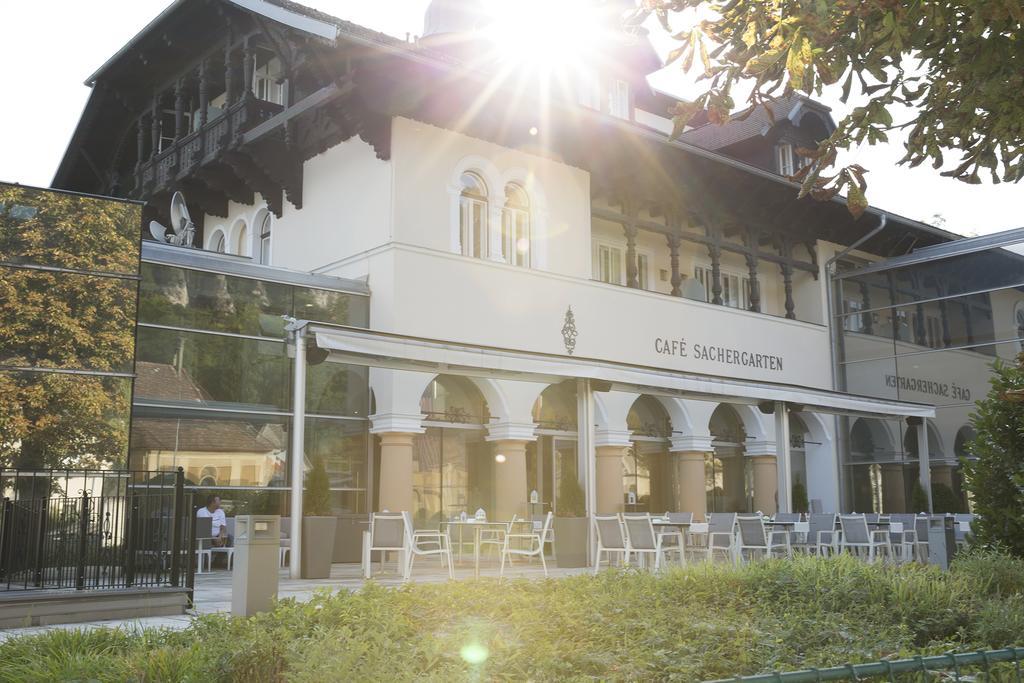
(691, 495)
(942, 474)
(396, 471)
(894, 496)
(510, 489)
(766, 483)
(609, 479)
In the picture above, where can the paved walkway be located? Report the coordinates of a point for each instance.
(213, 590)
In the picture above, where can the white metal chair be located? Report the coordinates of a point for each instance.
(822, 537)
(610, 539)
(494, 536)
(858, 537)
(754, 537)
(386, 534)
(720, 537)
(437, 543)
(643, 540)
(533, 545)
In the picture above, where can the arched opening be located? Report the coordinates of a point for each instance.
(647, 476)
(218, 242)
(798, 438)
(964, 436)
(870, 447)
(452, 466)
(553, 455)
(728, 480)
(240, 245)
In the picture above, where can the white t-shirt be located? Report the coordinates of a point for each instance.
(219, 519)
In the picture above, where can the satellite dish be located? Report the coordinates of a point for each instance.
(158, 231)
(181, 224)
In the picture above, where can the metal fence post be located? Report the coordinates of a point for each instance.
(6, 529)
(193, 546)
(83, 537)
(130, 534)
(176, 528)
(40, 541)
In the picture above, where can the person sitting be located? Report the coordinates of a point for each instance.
(219, 524)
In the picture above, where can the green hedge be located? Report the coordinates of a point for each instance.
(691, 624)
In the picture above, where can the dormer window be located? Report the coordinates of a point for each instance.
(588, 91)
(268, 81)
(618, 99)
(784, 160)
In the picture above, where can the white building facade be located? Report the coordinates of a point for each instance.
(556, 291)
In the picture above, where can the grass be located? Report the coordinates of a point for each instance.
(697, 623)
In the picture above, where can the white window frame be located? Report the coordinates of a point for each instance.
(473, 245)
(516, 226)
(588, 91)
(619, 99)
(1018, 323)
(644, 261)
(731, 280)
(264, 238)
(785, 162)
(268, 86)
(618, 250)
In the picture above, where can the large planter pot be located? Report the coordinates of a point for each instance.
(317, 546)
(571, 541)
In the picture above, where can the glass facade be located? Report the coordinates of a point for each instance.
(925, 332)
(69, 280)
(214, 388)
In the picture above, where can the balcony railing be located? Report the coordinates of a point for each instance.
(181, 158)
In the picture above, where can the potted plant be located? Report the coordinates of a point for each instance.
(318, 524)
(570, 524)
(800, 503)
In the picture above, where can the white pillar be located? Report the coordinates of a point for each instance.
(586, 456)
(298, 448)
(783, 462)
(924, 467)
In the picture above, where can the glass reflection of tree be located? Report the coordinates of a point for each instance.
(68, 321)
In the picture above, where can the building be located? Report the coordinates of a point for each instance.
(510, 283)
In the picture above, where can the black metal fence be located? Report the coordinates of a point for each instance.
(91, 529)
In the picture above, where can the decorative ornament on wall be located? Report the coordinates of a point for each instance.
(569, 332)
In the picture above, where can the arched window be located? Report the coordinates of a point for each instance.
(473, 216)
(218, 242)
(265, 226)
(515, 226)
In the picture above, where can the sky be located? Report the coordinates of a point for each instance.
(55, 45)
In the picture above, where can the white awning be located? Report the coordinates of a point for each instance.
(400, 352)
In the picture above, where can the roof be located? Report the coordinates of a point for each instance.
(752, 122)
(162, 381)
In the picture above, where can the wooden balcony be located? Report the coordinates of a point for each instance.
(203, 154)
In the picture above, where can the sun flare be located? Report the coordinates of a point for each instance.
(544, 34)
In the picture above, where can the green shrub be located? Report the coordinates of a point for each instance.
(995, 474)
(687, 624)
(571, 502)
(1000, 622)
(316, 499)
(944, 500)
(800, 503)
